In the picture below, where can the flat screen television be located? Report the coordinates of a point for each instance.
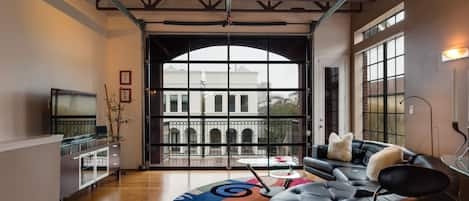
(72, 114)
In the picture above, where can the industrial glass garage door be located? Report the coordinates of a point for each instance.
(211, 101)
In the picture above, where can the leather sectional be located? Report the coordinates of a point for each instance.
(347, 180)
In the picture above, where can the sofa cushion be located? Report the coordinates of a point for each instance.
(371, 148)
(350, 173)
(327, 165)
(329, 191)
(387, 157)
(340, 147)
(318, 164)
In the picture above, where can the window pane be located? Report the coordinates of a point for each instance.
(218, 103)
(380, 70)
(185, 103)
(173, 103)
(285, 103)
(400, 46)
(400, 124)
(209, 103)
(400, 65)
(400, 84)
(244, 103)
(391, 21)
(248, 76)
(208, 75)
(373, 55)
(391, 124)
(283, 76)
(391, 104)
(164, 103)
(391, 49)
(400, 107)
(380, 104)
(175, 75)
(232, 103)
(382, 26)
(373, 72)
(243, 53)
(400, 16)
(286, 130)
(212, 53)
(380, 52)
(391, 67)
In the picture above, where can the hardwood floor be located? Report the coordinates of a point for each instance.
(153, 185)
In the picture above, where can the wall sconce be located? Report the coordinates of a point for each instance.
(454, 54)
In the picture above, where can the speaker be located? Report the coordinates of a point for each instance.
(101, 131)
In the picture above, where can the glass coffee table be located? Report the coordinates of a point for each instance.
(282, 161)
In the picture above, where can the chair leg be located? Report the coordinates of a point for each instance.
(376, 194)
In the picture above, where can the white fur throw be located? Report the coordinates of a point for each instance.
(340, 147)
(382, 159)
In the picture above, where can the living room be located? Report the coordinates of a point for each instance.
(212, 100)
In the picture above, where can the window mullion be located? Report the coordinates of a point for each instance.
(385, 92)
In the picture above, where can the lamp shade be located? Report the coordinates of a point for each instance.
(454, 54)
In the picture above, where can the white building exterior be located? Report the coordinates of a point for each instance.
(176, 103)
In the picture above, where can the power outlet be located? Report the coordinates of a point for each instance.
(411, 109)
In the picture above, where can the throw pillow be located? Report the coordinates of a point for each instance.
(382, 159)
(340, 147)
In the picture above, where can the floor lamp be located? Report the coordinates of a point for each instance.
(447, 56)
(431, 114)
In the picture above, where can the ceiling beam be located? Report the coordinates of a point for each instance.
(140, 23)
(328, 13)
(211, 6)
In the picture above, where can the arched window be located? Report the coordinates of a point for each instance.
(192, 135)
(215, 136)
(246, 138)
(192, 139)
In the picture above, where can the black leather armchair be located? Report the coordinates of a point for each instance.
(411, 181)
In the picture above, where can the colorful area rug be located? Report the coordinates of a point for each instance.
(245, 189)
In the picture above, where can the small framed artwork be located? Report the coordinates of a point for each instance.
(125, 77)
(125, 95)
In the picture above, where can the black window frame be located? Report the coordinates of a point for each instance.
(381, 123)
(303, 91)
(383, 24)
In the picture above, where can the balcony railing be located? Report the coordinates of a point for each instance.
(213, 142)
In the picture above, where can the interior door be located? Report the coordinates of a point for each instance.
(331, 102)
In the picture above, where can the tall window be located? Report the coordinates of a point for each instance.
(383, 89)
(244, 103)
(185, 103)
(218, 103)
(232, 103)
(173, 103)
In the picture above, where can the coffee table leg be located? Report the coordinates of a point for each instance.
(287, 183)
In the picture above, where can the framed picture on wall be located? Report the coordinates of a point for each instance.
(125, 95)
(125, 77)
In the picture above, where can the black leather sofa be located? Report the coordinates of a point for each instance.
(347, 180)
(356, 169)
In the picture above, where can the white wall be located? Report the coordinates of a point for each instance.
(331, 43)
(44, 44)
(124, 52)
